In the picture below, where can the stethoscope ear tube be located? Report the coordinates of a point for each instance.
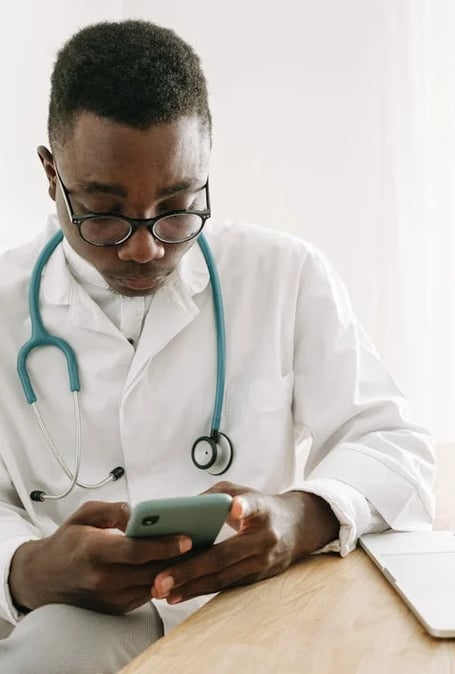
(40, 496)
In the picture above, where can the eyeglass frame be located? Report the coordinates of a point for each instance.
(134, 223)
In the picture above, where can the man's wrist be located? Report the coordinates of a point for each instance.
(20, 574)
(316, 523)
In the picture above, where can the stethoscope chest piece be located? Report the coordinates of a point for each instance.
(213, 454)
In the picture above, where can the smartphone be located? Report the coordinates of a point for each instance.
(199, 517)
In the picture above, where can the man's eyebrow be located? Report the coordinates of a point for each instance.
(193, 184)
(92, 187)
(115, 189)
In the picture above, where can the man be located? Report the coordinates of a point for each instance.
(129, 290)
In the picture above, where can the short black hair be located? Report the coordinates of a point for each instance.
(131, 72)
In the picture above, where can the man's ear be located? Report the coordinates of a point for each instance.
(47, 161)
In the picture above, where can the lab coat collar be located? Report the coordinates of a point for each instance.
(193, 271)
(172, 309)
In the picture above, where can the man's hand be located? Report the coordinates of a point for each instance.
(272, 533)
(87, 564)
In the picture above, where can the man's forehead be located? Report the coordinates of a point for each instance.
(90, 128)
(104, 156)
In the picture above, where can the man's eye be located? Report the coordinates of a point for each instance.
(178, 207)
(101, 208)
(180, 203)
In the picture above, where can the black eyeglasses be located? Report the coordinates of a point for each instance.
(110, 229)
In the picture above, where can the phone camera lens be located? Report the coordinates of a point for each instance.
(150, 519)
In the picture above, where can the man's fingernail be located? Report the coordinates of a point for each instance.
(185, 544)
(245, 506)
(166, 585)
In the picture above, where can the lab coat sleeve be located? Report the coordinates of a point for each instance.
(15, 529)
(368, 459)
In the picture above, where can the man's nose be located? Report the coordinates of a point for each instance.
(141, 247)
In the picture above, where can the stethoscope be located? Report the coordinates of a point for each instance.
(213, 453)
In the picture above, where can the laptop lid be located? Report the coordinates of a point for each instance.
(420, 565)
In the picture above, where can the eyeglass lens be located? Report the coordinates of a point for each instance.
(106, 230)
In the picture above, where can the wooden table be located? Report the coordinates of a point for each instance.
(325, 615)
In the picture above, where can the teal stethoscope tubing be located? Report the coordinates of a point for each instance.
(220, 334)
(41, 337)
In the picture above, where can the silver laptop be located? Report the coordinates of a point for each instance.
(421, 567)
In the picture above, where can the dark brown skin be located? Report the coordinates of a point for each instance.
(272, 533)
(86, 564)
(110, 167)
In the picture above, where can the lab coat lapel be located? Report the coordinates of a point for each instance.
(59, 288)
(172, 309)
(86, 314)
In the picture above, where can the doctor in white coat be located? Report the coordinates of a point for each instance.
(323, 446)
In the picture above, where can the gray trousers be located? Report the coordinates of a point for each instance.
(62, 639)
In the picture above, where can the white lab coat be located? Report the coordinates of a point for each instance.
(299, 367)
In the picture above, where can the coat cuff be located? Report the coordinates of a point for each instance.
(355, 514)
(7, 609)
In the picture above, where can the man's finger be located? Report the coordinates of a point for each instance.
(216, 559)
(246, 502)
(112, 548)
(102, 515)
(247, 506)
(226, 487)
(245, 571)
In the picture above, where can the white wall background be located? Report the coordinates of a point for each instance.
(323, 113)
(31, 32)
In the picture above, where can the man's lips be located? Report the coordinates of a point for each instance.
(140, 283)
